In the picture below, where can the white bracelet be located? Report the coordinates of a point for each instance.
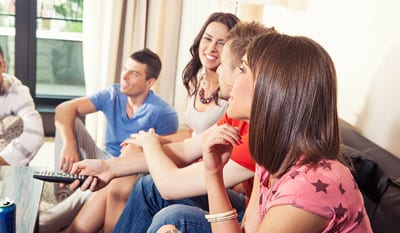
(221, 216)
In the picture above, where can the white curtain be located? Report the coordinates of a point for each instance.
(101, 22)
(163, 31)
(113, 30)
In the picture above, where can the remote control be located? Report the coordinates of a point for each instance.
(58, 177)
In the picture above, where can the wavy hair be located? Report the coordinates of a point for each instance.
(192, 68)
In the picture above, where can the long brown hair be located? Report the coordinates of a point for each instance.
(192, 68)
(294, 110)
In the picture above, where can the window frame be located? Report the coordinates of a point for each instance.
(25, 61)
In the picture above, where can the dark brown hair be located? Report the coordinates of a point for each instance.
(151, 60)
(192, 68)
(294, 110)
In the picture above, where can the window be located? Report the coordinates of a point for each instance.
(59, 63)
(43, 47)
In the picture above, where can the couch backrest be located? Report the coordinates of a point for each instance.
(377, 173)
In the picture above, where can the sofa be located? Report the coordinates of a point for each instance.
(377, 173)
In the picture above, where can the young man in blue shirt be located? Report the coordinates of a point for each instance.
(129, 107)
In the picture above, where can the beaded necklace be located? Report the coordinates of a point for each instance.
(208, 99)
(202, 91)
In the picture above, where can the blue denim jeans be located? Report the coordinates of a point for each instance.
(147, 211)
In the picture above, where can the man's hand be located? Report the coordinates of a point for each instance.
(217, 147)
(68, 156)
(98, 171)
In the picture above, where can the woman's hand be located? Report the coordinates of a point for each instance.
(217, 147)
(139, 139)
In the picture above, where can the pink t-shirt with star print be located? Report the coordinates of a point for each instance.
(327, 189)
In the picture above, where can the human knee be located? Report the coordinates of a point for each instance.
(119, 190)
(185, 218)
(168, 228)
(80, 227)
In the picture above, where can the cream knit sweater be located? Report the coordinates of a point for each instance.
(16, 100)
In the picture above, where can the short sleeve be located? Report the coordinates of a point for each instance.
(101, 99)
(167, 122)
(327, 190)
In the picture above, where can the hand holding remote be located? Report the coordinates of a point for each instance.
(59, 177)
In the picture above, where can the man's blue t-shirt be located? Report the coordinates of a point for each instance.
(154, 113)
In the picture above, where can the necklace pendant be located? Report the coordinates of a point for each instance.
(205, 100)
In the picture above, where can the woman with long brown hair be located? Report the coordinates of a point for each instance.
(301, 183)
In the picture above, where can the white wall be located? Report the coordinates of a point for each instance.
(363, 38)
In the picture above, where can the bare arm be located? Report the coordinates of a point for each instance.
(181, 153)
(65, 115)
(287, 218)
(175, 181)
(216, 152)
(106, 170)
(179, 136)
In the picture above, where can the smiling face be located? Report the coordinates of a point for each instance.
(211, 44)
(133, 79)
(241, 96)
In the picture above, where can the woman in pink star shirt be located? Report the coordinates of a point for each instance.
(301, 183)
